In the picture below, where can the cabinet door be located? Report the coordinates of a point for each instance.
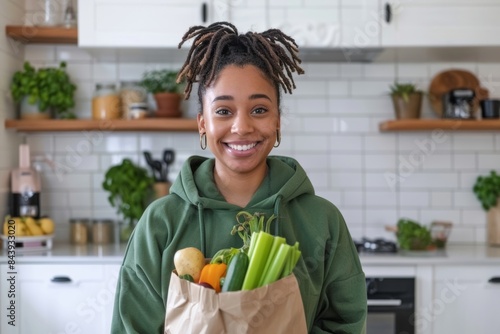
(440, 22)
(310, 23)
(64, 298)
(245, 15)
(360, 21)
(133, 23)
(464, 300)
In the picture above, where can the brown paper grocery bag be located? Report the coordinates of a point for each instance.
(276, 308)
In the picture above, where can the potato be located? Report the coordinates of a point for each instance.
(189, 261)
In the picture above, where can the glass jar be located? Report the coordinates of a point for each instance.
(131, 93)
(102, 231)
(138, 110)
(50, 13)
(79, 231)
(106, 102)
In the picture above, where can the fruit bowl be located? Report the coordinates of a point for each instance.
(27, 233)
(35, 242)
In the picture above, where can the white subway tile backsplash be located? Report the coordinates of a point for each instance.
(370, 88)
(412, 70)
(474, 142)
(489, 161)
(414, 199)
(329, 124)
(440, 199)
(346, 162)
(311, 106)
(464, 161)
(381, 199)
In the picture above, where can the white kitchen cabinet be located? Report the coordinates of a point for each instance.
(152, 23)
(464, 301)
(439, 22)
(319, 24)
(62, 298)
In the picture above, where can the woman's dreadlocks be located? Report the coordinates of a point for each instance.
(219, 44)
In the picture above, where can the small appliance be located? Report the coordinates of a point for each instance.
(459, 103)
(25, 187)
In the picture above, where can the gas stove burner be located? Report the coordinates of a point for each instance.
(376, 246)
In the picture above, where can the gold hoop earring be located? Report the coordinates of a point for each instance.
(203, 141)
(278, 138)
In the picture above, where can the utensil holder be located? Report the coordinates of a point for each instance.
(161, 189)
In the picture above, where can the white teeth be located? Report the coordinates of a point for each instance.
(241, 147)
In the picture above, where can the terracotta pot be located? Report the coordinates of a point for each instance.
(407, 109)
(161, 189)
(168, 104)
(493, 228)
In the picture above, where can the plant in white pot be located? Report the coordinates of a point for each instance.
(166, 91)
(407, 100)
(487, 190)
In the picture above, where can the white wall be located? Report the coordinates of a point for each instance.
(11, 59)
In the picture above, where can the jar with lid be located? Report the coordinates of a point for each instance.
(102, 231)
(79, 230)
(106, 102)
(138, 110)
(131, 92)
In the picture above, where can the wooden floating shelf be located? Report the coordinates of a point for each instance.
(34, 34)
(439, 124)
(148, 124)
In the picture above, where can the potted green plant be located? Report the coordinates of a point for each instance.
(43, 91)
(487, 191)
(166, 91)
(407, 100)
(130, 189)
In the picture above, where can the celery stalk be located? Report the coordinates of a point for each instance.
(251, 247)
(278, 263)
(258, 259)
(274, 249)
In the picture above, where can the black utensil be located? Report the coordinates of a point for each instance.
(158, 166)
(168, 159)
(153, 165)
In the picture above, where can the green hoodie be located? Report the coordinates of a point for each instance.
(195, 214)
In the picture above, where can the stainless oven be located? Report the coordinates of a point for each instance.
(391, 305)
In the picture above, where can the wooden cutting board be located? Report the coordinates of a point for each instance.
(445, 81)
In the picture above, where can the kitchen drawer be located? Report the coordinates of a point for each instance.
(467, 273)
(45, 272)
(389, 271)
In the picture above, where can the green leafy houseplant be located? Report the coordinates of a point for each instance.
(487, 190)
(161, 81)
(130, 189)
(50, 88)
(166, 91)
(407, 100)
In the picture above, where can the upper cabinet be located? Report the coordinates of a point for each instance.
(152, 23)
(321, 24)
(440, 23)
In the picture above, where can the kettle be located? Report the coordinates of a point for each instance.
(459, 103)
(25, 186)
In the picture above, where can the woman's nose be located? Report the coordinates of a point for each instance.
(242, 124)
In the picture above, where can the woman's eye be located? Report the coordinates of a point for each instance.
(259, 110)
(222, 112)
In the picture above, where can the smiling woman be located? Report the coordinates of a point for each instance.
(240, 78)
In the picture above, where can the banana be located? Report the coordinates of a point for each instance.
(32, 226)
(20, 228)
(47, 225)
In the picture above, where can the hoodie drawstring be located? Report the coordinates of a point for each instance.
(277, 205)
(203, 240)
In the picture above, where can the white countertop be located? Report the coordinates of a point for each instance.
(454, 254)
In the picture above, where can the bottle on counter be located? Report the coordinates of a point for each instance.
(106, 102)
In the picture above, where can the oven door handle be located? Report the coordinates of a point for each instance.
(384, 302)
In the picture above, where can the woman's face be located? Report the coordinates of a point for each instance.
(240, 118)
